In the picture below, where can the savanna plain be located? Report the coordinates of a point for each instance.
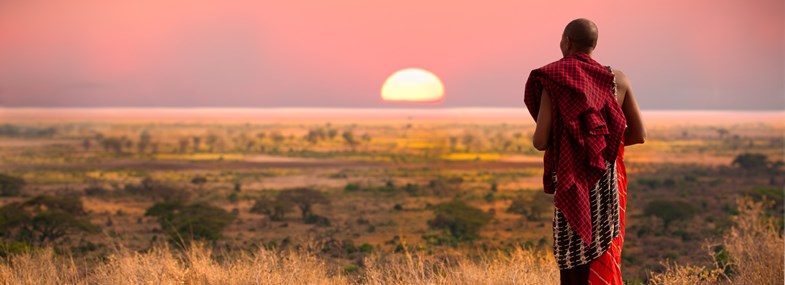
(279, 196)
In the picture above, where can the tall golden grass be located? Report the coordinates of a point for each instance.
(754, 245)
(755, 249)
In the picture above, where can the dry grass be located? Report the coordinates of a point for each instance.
(520, 266)
(199, 265)
(754, 247)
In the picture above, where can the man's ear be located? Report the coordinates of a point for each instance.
(568, 43)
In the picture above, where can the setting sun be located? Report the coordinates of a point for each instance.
(413, 85)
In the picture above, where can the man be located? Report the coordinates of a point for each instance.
(586, 113)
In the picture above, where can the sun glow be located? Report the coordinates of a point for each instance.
(413, 85)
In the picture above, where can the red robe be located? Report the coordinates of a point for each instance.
(588, 127)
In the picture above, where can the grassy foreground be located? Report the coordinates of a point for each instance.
(752, 253)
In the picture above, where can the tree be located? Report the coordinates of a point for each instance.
(199, 181)
(86, 144)
(332, 133)
(453, 143)
(315, 135)
(532, 208)
(11, 185)
(277, 137)
(157, 190)
(126, 142)
(304, 199)
(183, 142)
(669, 211)
(751, 161)
(350, 140)
(461, 220)
(468, 140)
(722, 132)
(199, 221)
(113, 144)
(276, 209)
(44, 220)
(211, 141)
(144, 141)
(197, 141)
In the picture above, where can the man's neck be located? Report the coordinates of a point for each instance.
(577, 52)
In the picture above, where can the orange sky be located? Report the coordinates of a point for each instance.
(702, 54)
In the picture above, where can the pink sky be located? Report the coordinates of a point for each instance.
(707, 54)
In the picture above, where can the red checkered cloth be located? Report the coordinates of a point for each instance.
(586, 119)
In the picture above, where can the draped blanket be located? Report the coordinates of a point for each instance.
(588, 127)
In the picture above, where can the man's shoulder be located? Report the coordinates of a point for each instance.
(621, 77)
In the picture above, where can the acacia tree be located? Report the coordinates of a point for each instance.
(44, 220)
(183, 144)
(185, 222)
(669, 211)
(113, 144)
(461, 220)
(144, 141)
(752, 161)
(532, 208)
(304, 199)
(276, 209)
(350, 140)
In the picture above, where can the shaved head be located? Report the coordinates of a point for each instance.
(581, 33)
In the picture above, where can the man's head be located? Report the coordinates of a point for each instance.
(580, 35)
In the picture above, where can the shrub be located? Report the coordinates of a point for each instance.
(95, 191)
(303, 198)
(156, 190)
(199, 180)
(199, 221)
(44, 220)
(532, 208)
(317, 220)
(751, 161)
(669, 211)
(365, 248)
(276, 209)
(10, 185)
(351, 187)
(461, 220)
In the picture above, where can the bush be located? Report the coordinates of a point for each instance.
(351, 187)
(94, 191)
(10, 185)
(365, 248)
(317, 220)
(44, 220)
(461, 220)
(276, 209)
(303, 198)
(751, 161)
(198, 221)
(158, 191)
(532, 208)
(669, 211)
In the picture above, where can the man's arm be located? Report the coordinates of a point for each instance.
(636, 132)
(542, 133)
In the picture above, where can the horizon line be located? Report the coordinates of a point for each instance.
(412, 108)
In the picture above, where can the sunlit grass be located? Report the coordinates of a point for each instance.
(754, 256)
